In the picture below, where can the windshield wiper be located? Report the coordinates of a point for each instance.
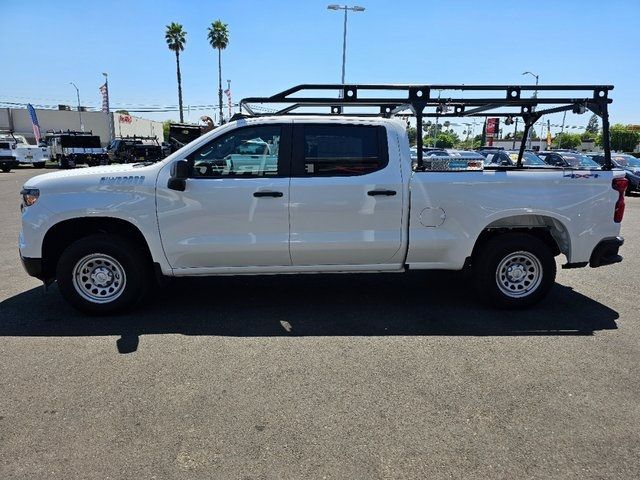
(143, 164)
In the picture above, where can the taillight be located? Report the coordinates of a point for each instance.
(620, 186)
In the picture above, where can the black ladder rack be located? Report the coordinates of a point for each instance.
(418, 100)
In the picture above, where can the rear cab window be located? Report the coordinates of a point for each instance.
(334, 150)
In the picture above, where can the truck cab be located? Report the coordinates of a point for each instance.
(6, 156)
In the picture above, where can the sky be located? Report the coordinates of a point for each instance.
(275, 44)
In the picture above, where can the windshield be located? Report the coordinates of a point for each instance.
(528, 158)
(626, 161)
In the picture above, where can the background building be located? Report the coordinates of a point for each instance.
(18, 120)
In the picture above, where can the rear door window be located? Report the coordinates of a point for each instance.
(339, 150)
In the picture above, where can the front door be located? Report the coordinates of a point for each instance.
(346, 196)
(234, 212)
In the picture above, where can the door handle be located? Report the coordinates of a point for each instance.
(267, 194)
(386, 193)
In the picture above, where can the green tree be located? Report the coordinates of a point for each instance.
(623, 139)
(431, 129)
(165, 128)
(587, 136)
(412, 133)
(469, 144)
(445, 140)
(218, 35)
(176, 38)
(510, 135)
(593, 126)
(567, 140)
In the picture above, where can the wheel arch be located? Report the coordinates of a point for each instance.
(62, 234)
(548, 229)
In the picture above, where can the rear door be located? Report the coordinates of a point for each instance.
(345, 196)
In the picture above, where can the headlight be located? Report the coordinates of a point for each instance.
(30, 196)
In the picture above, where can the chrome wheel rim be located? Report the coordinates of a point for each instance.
(99, 278)
(519, 274)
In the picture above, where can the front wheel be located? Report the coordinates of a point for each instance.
(514, 270)
(102, 274)
(38, 164)
(5, 168)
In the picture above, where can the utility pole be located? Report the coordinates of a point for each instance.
(346, 8)
(79, 110)
(111, 129)
(535, 95)
(229, 98)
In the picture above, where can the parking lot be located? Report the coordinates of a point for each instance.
(341, 376)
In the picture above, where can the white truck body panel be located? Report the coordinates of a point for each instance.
(22, 152)
(325, 224)
(580, 205)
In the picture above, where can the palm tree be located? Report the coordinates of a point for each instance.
(219, 39)
(176, 37)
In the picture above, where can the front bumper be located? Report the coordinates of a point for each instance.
(606, 252)
(33, 266)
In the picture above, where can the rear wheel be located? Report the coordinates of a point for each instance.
(514, 270)
(103, 274)
(5, 168)
(38, 164)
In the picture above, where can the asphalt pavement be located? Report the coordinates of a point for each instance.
(321, 377)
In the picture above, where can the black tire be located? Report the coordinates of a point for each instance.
(530, 261)
(38, 165)
(5, 169)
(129, 259)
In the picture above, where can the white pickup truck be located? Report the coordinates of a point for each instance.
(15, 150)
(323, 194)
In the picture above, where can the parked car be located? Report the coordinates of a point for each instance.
(568, 159)
(16, 151)
(629, 163)
(69, 149)
(428, 151)
(488, 148)
(509, 158)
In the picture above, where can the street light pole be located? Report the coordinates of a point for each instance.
(79, 111)
(346, 8)
(535, 95)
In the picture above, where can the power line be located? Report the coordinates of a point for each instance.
(143, 108)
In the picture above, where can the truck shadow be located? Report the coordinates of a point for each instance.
(430, 303)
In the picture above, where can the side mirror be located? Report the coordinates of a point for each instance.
(179, 175)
